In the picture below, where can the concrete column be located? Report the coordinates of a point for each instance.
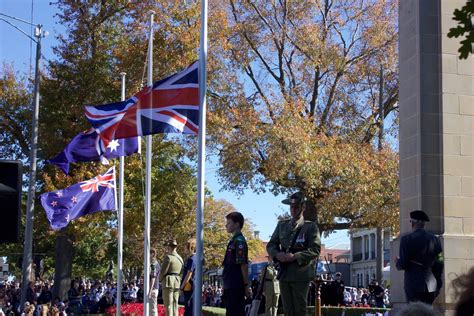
(436, 136)
(370, 245)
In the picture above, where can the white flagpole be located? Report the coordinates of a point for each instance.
(120, 216)
(197, 299)
(146, 274)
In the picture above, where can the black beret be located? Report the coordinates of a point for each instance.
(419, 215)
(295, 198)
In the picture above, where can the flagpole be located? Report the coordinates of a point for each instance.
(197, 304)
(148, 138)
(120, 216)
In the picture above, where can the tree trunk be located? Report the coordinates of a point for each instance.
(63, 265)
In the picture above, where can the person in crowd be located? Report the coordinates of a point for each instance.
(170, 277)
(44, 300)
(132, 292)
(188, 277)
(347, 297)
(463, 287)
(235, 273)
(354, 295)
(105, 302)
(154, 284)
(294, 245)
(365, 297)
(271, 288)
(336, 290)
(386, 298)
(75, 298)
(378, 293)
(421, 256)
(28, 309)
(31, 294)
(417, 309)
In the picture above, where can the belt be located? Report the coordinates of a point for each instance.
(172, 274)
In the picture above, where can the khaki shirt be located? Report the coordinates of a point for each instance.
(306, 248)
(170, 275)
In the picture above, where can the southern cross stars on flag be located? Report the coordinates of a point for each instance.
(171, 105)
(94, 195)
(87, 146)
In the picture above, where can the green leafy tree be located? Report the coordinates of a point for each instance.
(464, 17)
(294, 104)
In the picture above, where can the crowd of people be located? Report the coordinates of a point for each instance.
(288, 276)
(84, 297)
(335, 293)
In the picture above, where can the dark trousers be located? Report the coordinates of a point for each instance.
(425, 297)
(188, 303)
(234, 301)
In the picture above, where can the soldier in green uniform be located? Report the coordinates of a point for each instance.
(271, 288)
(294, 246)
(154, 285)
(170, 278)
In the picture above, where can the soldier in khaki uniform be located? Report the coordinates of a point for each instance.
(294, 246)
(170, 278)
(271, 288)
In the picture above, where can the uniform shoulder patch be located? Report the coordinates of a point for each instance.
(240, 238)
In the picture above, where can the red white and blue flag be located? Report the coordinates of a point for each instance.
(87, 197)
(171, 105)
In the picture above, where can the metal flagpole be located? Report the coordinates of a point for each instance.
(30, 204)
(197, 299)
(120, 216)
(146, 274)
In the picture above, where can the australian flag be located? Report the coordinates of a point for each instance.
(171, 105)
(88, 146)
(91, 196)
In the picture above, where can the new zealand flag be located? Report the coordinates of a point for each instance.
(94, 195)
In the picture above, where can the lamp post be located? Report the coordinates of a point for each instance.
(28, 242)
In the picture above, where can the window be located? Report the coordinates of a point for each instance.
(357, 249)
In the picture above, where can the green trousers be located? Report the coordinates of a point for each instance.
(170, 300)
(294, 296)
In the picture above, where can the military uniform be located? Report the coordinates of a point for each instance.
(271, 288)
(301, 238)
(170, 279)
(154, 273)
(422, 259)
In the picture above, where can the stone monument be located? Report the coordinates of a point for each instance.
(436, 137)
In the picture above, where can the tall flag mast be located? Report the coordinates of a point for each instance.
(197, 305)
(148, 138)
(120, 215)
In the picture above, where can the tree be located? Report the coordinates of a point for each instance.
(294, 104)
(102, 40)
(465, 17)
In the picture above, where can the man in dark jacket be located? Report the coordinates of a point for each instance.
(421, 257)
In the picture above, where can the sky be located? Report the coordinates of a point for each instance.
(19, 50)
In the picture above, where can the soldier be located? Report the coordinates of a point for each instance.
(271, 288)
(294, 246)
(154, 285)
(170, 278)
(421, 257)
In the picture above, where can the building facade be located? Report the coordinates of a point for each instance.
(363, 255)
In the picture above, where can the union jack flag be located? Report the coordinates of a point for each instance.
(171, 105)
(102, 180)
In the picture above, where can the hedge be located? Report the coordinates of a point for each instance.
(325, 311)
